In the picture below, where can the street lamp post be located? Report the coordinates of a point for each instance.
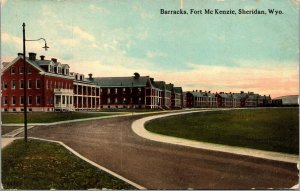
(25, 80)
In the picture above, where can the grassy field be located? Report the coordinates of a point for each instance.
(42, 165)
(271, 129)
(43, 117)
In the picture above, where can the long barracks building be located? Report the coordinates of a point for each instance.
(52, 87)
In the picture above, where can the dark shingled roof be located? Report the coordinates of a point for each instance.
(177, 89)
(42, 62)
(159, 84)
(169, 87)
(121, 81)
(203, 94)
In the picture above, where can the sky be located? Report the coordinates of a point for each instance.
(229, 53)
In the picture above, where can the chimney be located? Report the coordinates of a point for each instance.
(91, 76)
(137, 75)
(20, 54)
(54, 60)
(32, 56)
(42, 57)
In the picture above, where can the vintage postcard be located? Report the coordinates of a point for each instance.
(149, 94)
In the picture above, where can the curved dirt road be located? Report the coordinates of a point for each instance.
(112, 144)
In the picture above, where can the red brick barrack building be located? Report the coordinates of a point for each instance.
(52, 87)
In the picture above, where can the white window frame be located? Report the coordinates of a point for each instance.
(21, 83)
(21, 100)
(5, 99)
(20, 71)
(36, 100)
(28, 85)
(12, 100)
(11, 70)
(28, 102)
(5, 84)
(13, 84)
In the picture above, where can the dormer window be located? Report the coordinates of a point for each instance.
(50, 68)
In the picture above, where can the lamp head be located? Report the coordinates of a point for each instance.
(45, 47)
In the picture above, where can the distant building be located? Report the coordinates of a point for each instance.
(126, 92)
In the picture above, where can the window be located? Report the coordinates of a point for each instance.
(108, 100)
(29, 84)
(29, 70)
(13, 100)
(38, 100)
(12, 70)
(21, 100)
(29, 100)
(50, 68)
(108, 90)
(5, 101)
(116, 90)
(21, 69)
(124, 89)
(47, 85)
(116, 100)
(13, 84)
(21, 84)
(38, 84)
(5, 84)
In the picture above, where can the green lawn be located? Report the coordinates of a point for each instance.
(44, 117)
(42, 165)
(271, 129)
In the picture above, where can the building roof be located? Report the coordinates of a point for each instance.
(37, 64)
(239, 95)
(159, 84)
(121, 81)
(44, 62)
(169, 86)
(203, 94)
(177, 89)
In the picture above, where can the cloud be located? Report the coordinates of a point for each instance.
(82, 34)
(295, 1)
(11, 39)
(97, 9)
(154, 54)
(3, 2)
